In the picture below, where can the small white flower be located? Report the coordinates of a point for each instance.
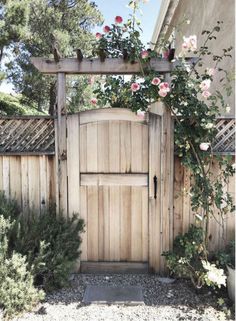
(204, 146)
(214, 274)
(205, 84)
(209, 125)
(190, 43)
(199, 217)
(188, 22)
(227, 109)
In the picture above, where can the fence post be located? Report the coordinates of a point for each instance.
(61, 145)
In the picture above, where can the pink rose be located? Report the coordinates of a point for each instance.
(206, 94)
(184, 46)
(166, 54)
(156, 81)
(118, 19)
(205, 84)
(106, 29)
(210, 71)
(98, 35)
(162, 93)
(141, 114)
(135, 86)
(190, 43)
(91, 80)
(144, 54)
(164, 86)
(204, 146)
(193, 42)
(93, 101)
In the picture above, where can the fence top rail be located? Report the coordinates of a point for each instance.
(111, 66)
(22, 117)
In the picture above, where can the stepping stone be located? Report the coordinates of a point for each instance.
(128, 295)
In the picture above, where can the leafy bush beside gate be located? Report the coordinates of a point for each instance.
(39, 252)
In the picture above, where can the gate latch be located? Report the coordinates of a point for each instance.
(155, 186)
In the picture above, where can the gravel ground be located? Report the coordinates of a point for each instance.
(175, 301)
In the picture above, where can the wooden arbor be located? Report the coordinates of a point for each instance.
(160, 141)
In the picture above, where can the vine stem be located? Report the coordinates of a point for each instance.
(206, 215)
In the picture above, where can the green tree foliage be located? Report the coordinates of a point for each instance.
(15, 105)
(13, 22)
(52, 27)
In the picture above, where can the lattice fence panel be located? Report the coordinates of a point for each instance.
(27, 135)
(36, 135)
(225, 138)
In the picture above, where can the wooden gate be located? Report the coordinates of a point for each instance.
(110, 172)
(114, 185)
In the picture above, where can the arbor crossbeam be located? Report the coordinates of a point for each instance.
(95, 66)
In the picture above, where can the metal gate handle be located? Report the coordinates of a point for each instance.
(155, 186)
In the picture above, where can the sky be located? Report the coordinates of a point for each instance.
(113, 8)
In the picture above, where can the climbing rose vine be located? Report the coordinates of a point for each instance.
(189, 97)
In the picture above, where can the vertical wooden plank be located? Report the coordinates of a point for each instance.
(63, 193)
(114, 223)
(6, 176)
(101, 223)
(51, 180)
(144, 149)
(103, 147)
(178, 197)
(214, 228)
(92, 148)
(136, 147)
(167, 155)
(1, 174)
(56, 166)
(125, 223)
(106, 216)
(230, 219)
(154, 203)
(24, 184)
(144, 224)
(125, 146)
(92, 225)
(171, 181)
(73, 160)
(33, 182)
(83, 148)
(186, 201)
(84, 216)
(136, 224)
(114, 146)
(43, 182)
(15, 178)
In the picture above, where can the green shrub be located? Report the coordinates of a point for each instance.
(49, 241)
(226, 256)
(51, 244)
(188, 259)
(17, 291)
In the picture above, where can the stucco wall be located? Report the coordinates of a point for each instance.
(204, 14)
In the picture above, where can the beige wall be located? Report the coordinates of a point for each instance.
(204, 14)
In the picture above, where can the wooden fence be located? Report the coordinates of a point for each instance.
(31, 181)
